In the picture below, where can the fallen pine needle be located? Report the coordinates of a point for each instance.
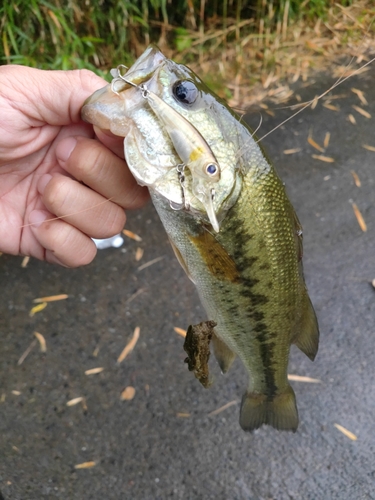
(180, 331)
(357, 180)
(291, 151)
(326, 159)
(74, 401)
(42, 341)
(139, 254)
(361, 96)
(182, 415)
(17, 393)
(326, 140)
(314, 102)
(37, 309)
(130, 346)
(94, 371)
(361, 111)
(26, 353)
(360, 219)
(346, 433)
(314, 144)
(352, 119)
(222, 408)
(51, 298)
(150, 263)
(127, 394)
(25, 261)
(131, 235)
(85, 465)
(135, 294)
(301, 378)
(369, 148)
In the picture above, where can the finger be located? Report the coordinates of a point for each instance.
(93, 163)
(64, 244)
(113, 142)
(80, 206)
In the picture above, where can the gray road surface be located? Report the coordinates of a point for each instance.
(163, 443)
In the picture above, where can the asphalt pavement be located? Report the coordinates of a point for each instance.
(164, 443)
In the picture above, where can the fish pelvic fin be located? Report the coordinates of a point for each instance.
(307, 338)
(224, 356)
(280, 412)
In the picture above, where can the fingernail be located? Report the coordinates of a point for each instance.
(43, 181)
(37, 217)
(65, 148)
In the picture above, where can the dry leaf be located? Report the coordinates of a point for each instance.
(130, 346)
(291, 151)
(25, 261)
(301, 378)
(222, 408)
(327, 159)
(361, 96)
(360, 219)
(139, 254)
(51, 298)
(127, 394)
(347, 433)
(326, 140)
(74, 401)
(361, 111)
(131, 235)
(94, 371)
(314, 144)
(42, 341)
(352, 119)
(85, 465)
(357, 180)
(180, 331)
(369, 148)
(37, 309)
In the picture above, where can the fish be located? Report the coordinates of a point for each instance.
(229, 221)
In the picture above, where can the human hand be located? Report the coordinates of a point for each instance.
(51, 167)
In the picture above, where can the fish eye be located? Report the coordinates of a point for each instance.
(185, 91)
(211, 169)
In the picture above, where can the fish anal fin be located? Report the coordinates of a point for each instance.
(223, 354)
(307, 337)
(280, 411)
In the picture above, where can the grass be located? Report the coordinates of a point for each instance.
(236, 45)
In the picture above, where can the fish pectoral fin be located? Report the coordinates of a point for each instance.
(280, 412)
(307, 338)
(181, 260)
(224, 356)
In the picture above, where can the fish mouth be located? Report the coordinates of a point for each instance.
(105, 107)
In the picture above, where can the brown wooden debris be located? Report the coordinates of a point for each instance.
(94, 371)
(352, 119)
(361, 95)
(326, 159)
(331, 106)
(197, 347)
(357, 180)
(51, 298)
(130, 346)
(222, 408)
(314, 144)
(361, 111)
(74, 401)
(301, 378)
(369, 148)
(42, 341)
(326, 140)
(346, 433)
(139, 254)
(291, 151)
(131, 235)
(182, 415)
(17, 393)
(360, 219)
(127, 394)
(37, 309)
(25, 261)
(180, 331)
(85, 465)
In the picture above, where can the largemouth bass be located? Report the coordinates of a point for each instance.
(229, 220)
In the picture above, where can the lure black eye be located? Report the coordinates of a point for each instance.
(211, 169)
(185, 91)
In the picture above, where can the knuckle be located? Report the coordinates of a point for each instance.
(56, 194)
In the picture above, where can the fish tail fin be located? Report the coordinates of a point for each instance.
(307, 338)
(280, 412)
(223, 354)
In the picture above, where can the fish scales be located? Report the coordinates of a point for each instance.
(235, 232)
